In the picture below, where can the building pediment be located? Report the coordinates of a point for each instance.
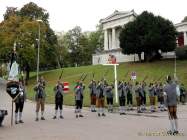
(117, 15)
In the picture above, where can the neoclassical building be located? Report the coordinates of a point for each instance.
(112, 26)
(182, 29)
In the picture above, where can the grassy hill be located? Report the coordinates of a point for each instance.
(71, 75)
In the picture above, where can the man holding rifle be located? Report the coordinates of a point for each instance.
(40, 98)
(79, 89)
(170, 92)
(93, 91)
(19, 103)
(58, 89)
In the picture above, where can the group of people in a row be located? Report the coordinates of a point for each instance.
(101, 90)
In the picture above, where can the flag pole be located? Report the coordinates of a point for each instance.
(115, 79)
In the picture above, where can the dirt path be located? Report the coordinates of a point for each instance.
(111, 127)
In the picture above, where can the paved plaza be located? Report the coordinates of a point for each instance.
(147, 126)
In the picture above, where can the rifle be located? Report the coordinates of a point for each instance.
(61, 74)
(159, 78)
(93, 75)
(145, 78)
(105, 74)
(84, 77)
(126, 75)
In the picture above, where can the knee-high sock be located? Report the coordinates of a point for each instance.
(138, 108)
(93, 107)
(16, 116)
(61, 112)
(56, 112)
(120, 109)
(42, 113)
(176, 124)
(99, 110)
(79, 111)
(20, 115)
(172, 125)
(123, 109)
(36, 114)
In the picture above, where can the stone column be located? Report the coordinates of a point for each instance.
(113, 38)
(106, 40)
(109, 39)
(185, 38)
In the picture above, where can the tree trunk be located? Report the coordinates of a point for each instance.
(27, 69)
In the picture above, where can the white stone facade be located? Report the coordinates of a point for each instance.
(112, 26)
(102, 58)
(182, 28)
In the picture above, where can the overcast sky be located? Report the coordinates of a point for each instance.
(66, 14)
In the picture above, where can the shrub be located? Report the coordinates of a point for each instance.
(181, 52)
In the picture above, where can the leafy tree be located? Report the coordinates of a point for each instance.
(10, 11)
(33, 11)
(96, 40)
(185, 19)
(149, 34)
(72, 42)
(82, 45)
(21, 26)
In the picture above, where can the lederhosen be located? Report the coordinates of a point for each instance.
(58, 99)
(151, 97)
(138, 99)
(122, 99)
(109, 99)
(79, 102)
(40, 98)
(129, 97)
(141, 93)
(19, 104)
(161, 96)
(92, 96)
(144, 95)
(100, 98)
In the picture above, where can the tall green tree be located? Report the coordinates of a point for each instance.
(96, 40)
(21, 26)
(72, 43)
(79, 44)
(149, 34)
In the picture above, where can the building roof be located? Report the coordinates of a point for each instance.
(180, 24)
(117, 15)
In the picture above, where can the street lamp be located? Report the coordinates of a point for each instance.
(38, 56)
(175, 65)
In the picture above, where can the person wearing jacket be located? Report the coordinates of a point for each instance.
(19, 103)
(40, 98)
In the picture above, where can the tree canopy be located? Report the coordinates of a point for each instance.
(76, 47)
(21, 27)
(149, 34)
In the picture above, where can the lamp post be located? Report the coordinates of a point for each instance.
(38, 54)
(175, 66)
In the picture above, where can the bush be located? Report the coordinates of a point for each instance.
(181, 52)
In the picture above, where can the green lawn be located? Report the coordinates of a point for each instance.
(71, 75)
